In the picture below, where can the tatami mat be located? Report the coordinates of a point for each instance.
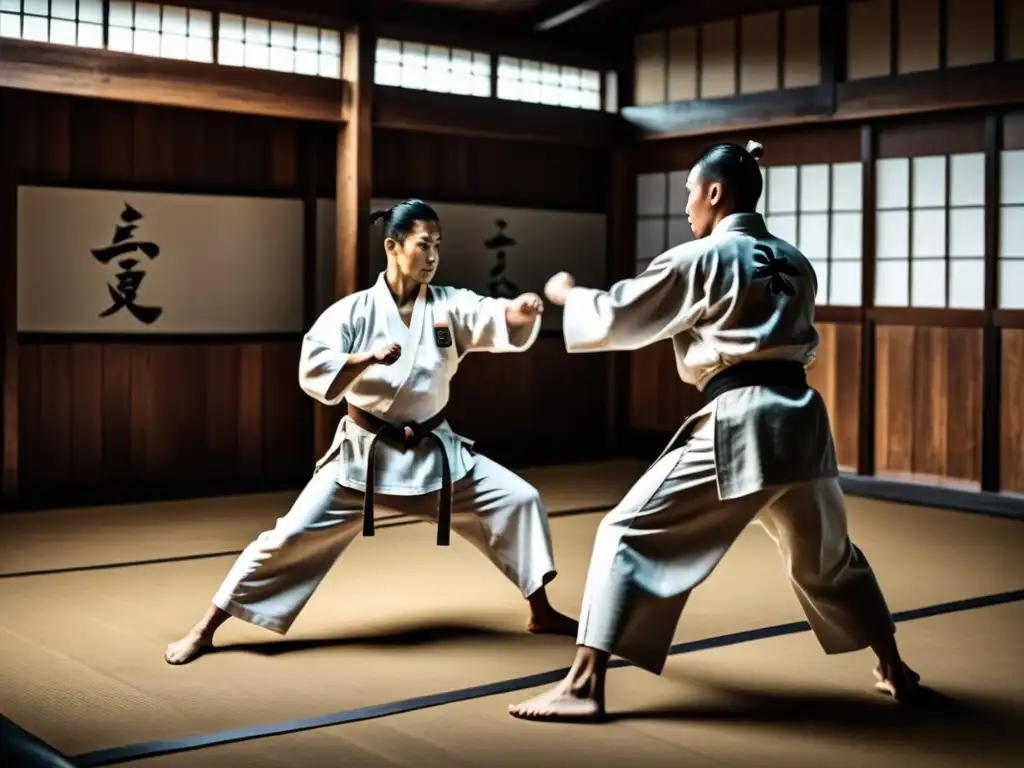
(74, 538)
(81, 653)
(777, 702)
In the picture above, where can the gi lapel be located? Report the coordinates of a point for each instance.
(409, 338)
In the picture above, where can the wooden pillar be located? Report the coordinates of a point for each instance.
(8, 310)
(621, 250)
(354, 166)
(992, 367)
(866, 418)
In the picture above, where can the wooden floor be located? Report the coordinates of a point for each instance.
(90, 597)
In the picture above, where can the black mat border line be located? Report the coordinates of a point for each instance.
(131, 752)
(392, 521)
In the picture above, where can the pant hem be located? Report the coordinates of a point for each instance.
(655, 668)
(536, 585)
(239, 611)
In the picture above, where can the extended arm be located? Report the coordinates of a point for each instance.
(483, 324)
(666, 299)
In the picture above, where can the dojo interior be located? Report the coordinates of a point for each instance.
(249, 141)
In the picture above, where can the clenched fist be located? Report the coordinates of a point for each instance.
(558, 287)
(387, 354)
(524, 309)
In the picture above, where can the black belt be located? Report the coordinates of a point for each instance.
(755, 373)
(406, 435)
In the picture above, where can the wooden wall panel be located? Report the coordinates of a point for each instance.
(918, 36)
(1013, 29)
(934, 136)
(683, 65)
(803, 48)
(868, 41)
(659, 401)
(537, 407)
(105, 421)
(649, 70)
(836, 376)
(1011, 469)
(489, 171)
(759, 53)
(718, 59)
(971, 37)
(835, 143)
(189, 417)
(928, 404)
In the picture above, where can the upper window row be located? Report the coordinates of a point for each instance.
(448, 70)
(173, 32)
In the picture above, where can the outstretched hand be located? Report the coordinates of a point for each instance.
(558, 287)
(523, 310)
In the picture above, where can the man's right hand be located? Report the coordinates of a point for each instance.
(387, 354)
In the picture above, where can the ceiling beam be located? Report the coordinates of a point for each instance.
(33, 66)
(569, 14)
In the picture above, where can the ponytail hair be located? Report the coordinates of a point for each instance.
(400, 219)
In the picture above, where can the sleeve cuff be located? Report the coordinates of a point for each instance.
(581, 325)
(513, 339)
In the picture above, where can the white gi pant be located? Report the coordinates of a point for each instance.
(667, 535)
(494, 509)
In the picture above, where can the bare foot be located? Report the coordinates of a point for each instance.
(901, 683)
(560, 704)
(552, 622)
(190, 647)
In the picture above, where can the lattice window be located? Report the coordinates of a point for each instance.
(279, 46)
(931, 231)
(165, 31)
(432, 68)
(65, 22)
(1011, 230)
(817, 208)
(661, 215)
(552, 84)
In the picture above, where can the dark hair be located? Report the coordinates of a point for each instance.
(735, 167)
(400, 218)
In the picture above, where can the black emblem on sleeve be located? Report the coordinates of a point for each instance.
(774, 269)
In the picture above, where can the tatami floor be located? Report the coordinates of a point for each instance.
(409, 654)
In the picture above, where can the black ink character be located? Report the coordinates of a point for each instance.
(500, 286)
(128, 279)
(775, 270)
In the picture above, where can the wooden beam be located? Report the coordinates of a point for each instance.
(8, 311)
(979, 85)
(49, 68)
(408, 110)
(575, 11)
(354, 163)
(755, 110)
(971, 87)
